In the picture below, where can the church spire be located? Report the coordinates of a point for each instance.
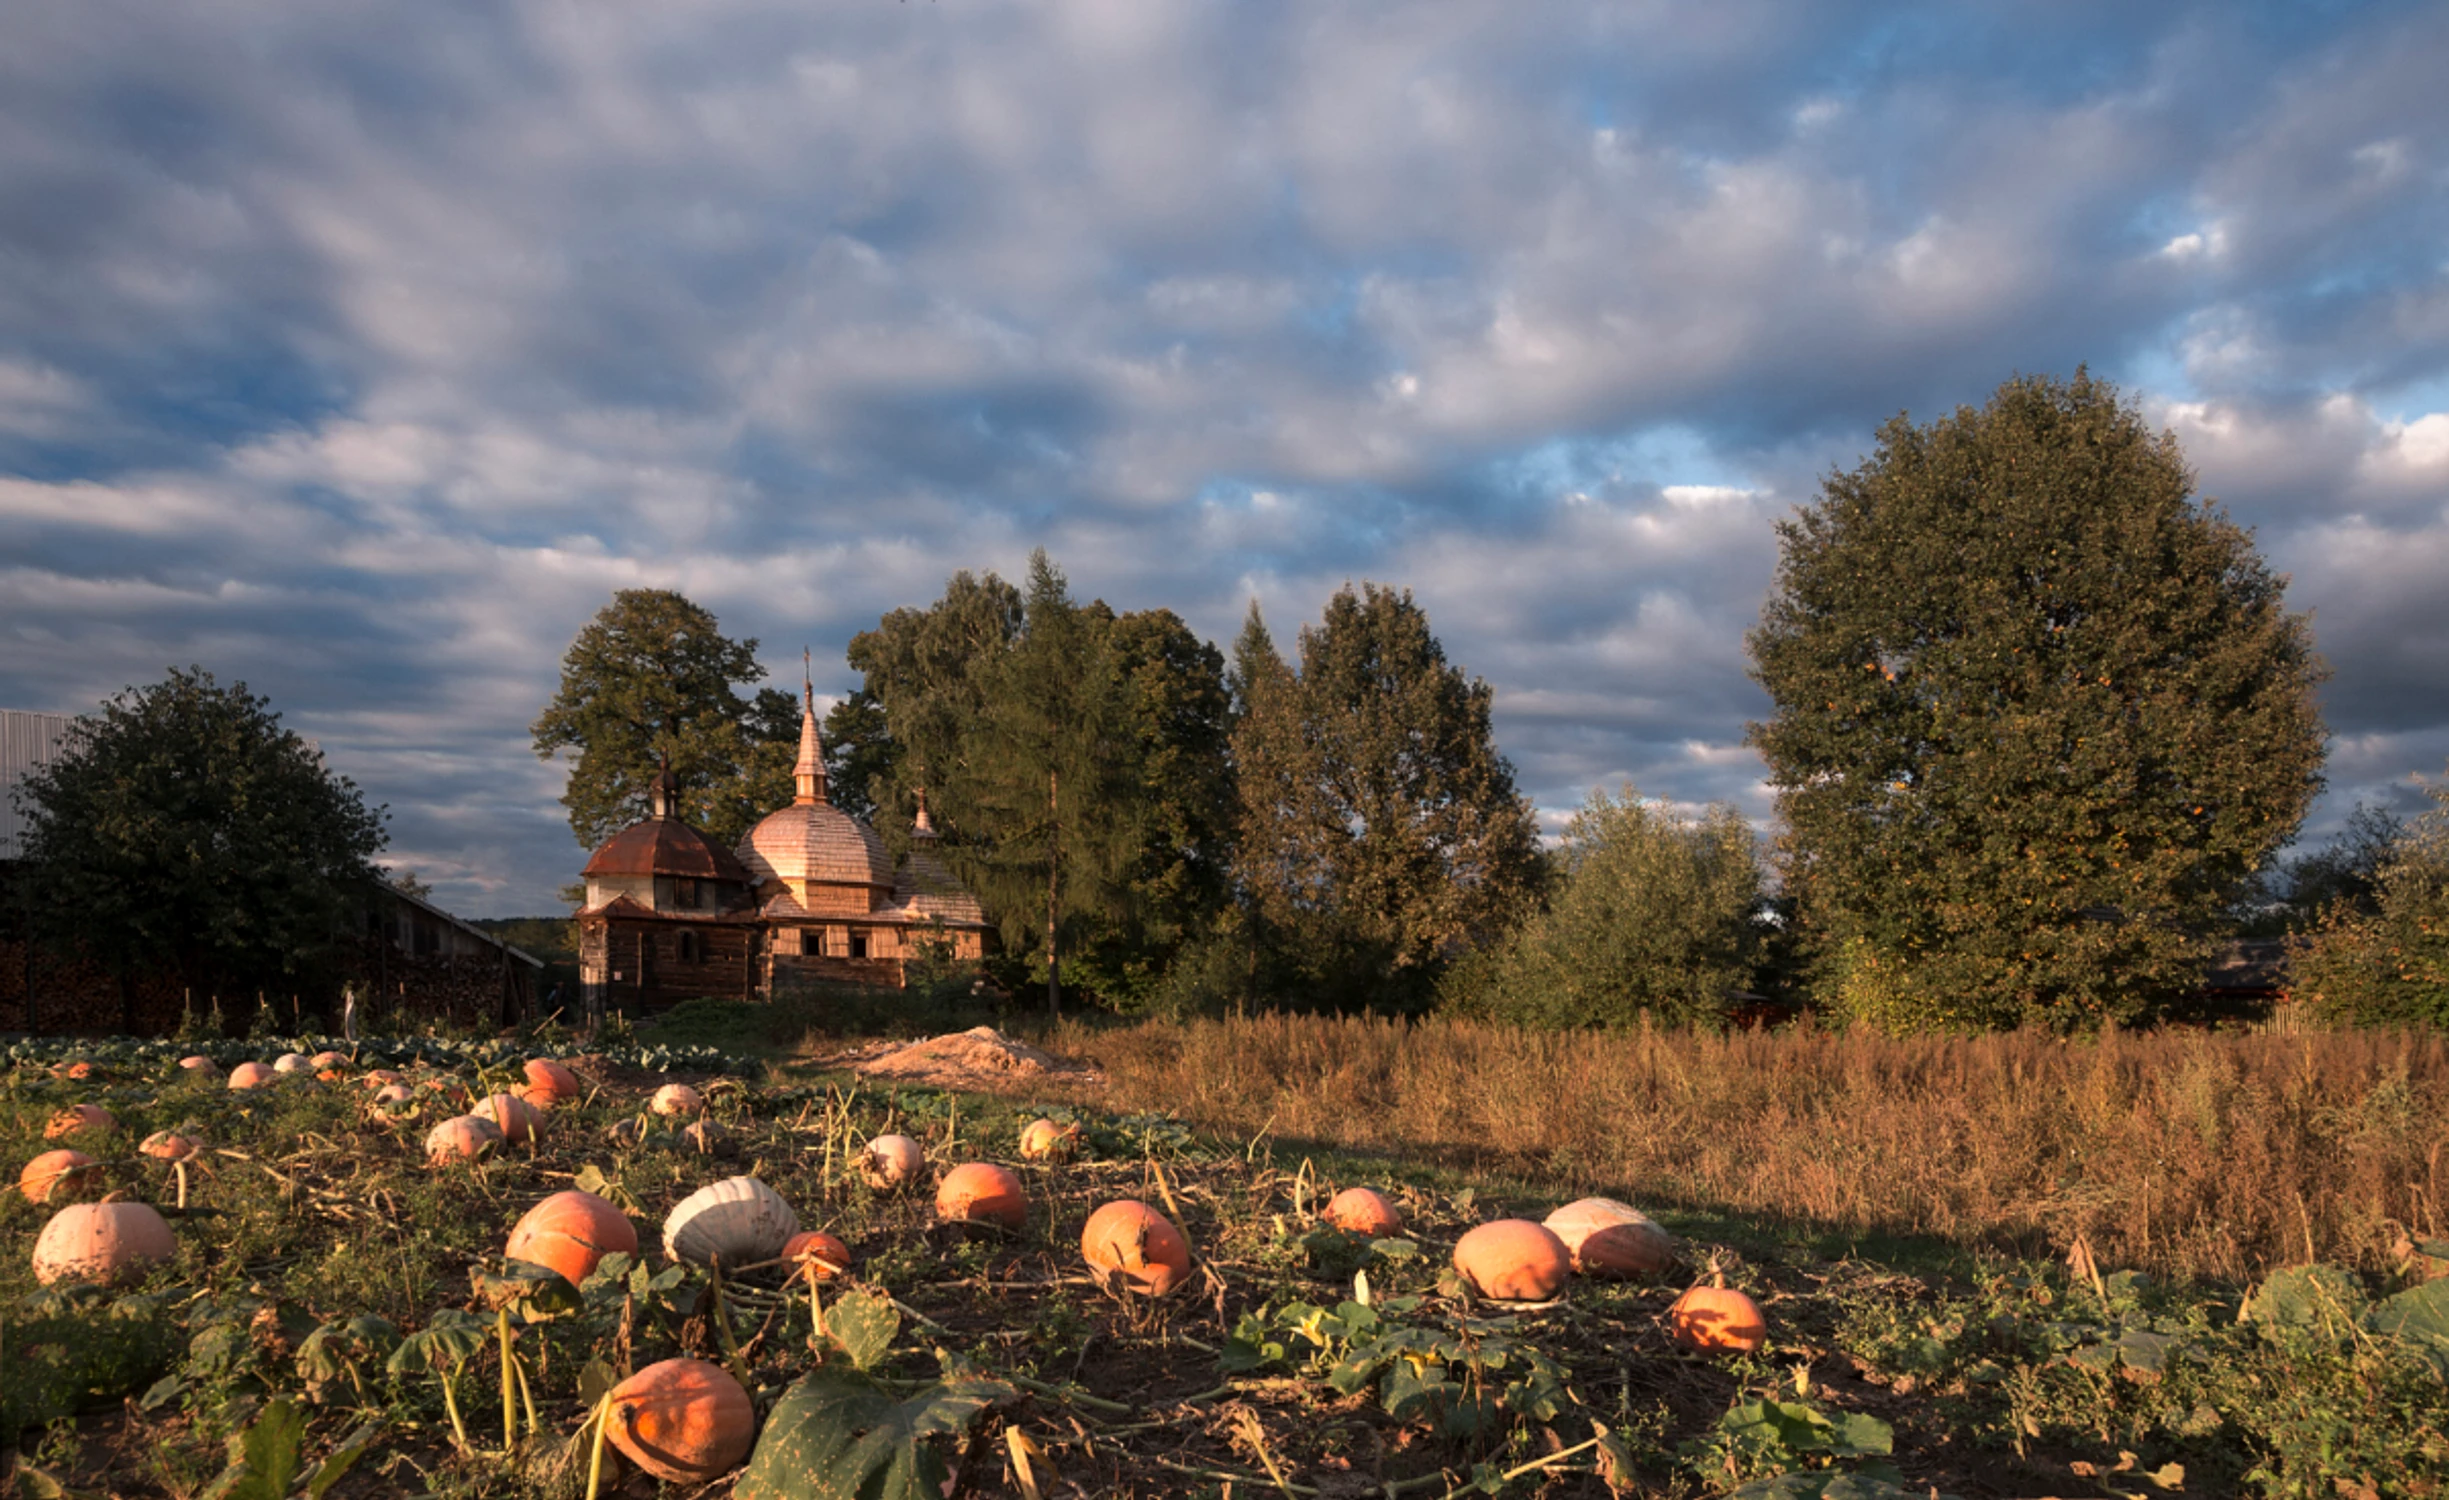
(922, 827)
(810, 772)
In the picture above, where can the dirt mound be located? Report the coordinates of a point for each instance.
(980, 1056)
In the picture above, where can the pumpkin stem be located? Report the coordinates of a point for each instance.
(510, 1431)
(595, 1457)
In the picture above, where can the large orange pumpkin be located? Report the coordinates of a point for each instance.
(516, 1117)
(54, 1171)
(1360, 1210)
(77, 1119)
(105, 1243)
(251, 1075)
(982, 1193)
(1130, 1244)
(683, 1420)
(1716, 1319)
(1608, 1238)
(570, 1232)
(817, 1253)
(1513, 1260)
(549, 1083)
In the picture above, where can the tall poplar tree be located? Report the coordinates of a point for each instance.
(2039, 712)
(1380, 828)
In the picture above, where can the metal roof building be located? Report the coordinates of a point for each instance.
(27, 740)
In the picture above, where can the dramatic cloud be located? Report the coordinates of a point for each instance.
(362, 351)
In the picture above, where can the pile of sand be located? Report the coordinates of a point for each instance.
(965, 1058)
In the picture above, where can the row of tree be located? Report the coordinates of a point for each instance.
(2039, 716)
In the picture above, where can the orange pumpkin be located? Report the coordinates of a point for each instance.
(549, 1083)
(170, 1146)
(1130, 1244)
(327, 1062)
(1044, 1140)
(394, 1093)
(683, 1420)
(1608, 1238)
(570, 1232)
(77, 1119)
(81, 1070)
(817, 1253)
(106, 1243)
(1514, 1260)
(201, 1066)
(468, 1138)
(381, 1078)
(54, 1171)
(1716, 1319)
(516, 1117)
(251, 1075)
(982, 1193)
(1360, 1210)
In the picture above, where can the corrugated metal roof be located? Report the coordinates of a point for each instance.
(27, 740)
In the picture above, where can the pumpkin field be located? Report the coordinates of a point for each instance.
(515, 1268)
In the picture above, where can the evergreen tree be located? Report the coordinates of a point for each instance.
(1654, 914)
(1040, 813)
(651, 676)
(2038, 714)
(183, 826)
(1380, 829)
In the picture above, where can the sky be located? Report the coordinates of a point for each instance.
(360, 350)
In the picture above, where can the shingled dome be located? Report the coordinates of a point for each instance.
(813, 842)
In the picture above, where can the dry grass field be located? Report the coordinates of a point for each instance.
(2219, 1155)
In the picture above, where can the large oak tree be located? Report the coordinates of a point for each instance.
(653, 676)
(2039, 712)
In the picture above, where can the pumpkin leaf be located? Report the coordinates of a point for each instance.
(2308, 1301)
(42, 1484)
(264, 1459)
(836, 1435)
(332, 1470)
(449, 1341)
(862, 1324)
(594, 1380)
(2419, 1317)
(538, 1294)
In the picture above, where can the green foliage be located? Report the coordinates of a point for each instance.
(183, 826)
(69, 1348)
(652, 675)
(835, 1434)
(1767, 1436)
(1655, 916)
(2388, 965)
(1379, 830)
(2038, 715)
(1074, 767)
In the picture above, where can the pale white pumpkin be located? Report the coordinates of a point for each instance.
(293, 1062)
(107, 1243)
(894, 1161)
(1607, 1238)
(677, 1099)
(739, 1219)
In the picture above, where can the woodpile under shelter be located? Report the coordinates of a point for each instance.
(811, 896)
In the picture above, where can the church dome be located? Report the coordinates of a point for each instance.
(663, 845)
(818, 843)
(813, 842)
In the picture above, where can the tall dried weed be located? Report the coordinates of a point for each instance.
(2220, 1155)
